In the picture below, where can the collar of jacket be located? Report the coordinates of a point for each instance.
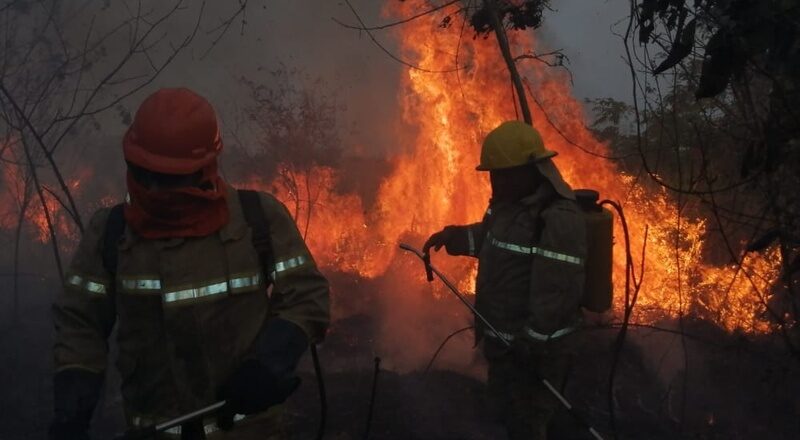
(233, 230)
(542, 194)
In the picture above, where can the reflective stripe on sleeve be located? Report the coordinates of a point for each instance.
(533, 250)
(471, 239)
(291, 263)
(87, 285)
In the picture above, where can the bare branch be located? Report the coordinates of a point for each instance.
(223, 27)
(387, 51)
(502, 40)
(403, 21)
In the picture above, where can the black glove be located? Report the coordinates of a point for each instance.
(253, 388)
(447, 237)
(76, 393)
(268, 378)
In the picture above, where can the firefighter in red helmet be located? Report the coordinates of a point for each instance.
(200, 315)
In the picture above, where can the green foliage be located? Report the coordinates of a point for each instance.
(726, 167)
(737, 34)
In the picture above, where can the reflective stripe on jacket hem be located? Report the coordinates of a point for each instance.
(208, 427)
(542, 337)
(507, 336)
(533, 250)
(533, 334)
(87, 285)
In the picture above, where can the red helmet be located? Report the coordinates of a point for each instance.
(175, 131)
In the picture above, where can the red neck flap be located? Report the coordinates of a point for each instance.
(182, 212)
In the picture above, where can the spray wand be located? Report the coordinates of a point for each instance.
(430, 270)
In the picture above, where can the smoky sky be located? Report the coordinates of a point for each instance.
(585, 30)
(301, 36)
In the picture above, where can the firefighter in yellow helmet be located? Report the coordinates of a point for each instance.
(213, 291)
(531, 249)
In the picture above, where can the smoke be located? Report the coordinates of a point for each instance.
(415, 318)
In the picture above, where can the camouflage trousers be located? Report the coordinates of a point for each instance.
(518, 396)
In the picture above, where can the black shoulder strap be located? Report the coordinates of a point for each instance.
(540, 220)
(115, 227)
(254, 215)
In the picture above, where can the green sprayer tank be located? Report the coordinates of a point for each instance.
(598, 291)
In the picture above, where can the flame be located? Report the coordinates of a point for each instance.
(434, 184)
(13, 189)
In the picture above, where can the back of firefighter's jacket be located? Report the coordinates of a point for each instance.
(531, 257)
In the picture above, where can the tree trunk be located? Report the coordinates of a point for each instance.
(502, 40)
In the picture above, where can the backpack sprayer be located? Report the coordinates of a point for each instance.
(430, 270)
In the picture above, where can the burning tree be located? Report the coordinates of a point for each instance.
(451, 92)
(692, 213)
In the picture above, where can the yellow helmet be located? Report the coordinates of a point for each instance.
(512, 144)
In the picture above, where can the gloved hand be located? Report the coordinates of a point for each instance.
(251, 389)
(267, 378)
(254, 388)
(76, 393)
(446, 237)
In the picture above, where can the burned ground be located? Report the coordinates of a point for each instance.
(736, 388)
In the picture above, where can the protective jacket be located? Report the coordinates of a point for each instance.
(530, 265)
(188, 310)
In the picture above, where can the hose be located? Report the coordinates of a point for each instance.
(372, 397)
(630, 302)
(323, 398)
(441, 346)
